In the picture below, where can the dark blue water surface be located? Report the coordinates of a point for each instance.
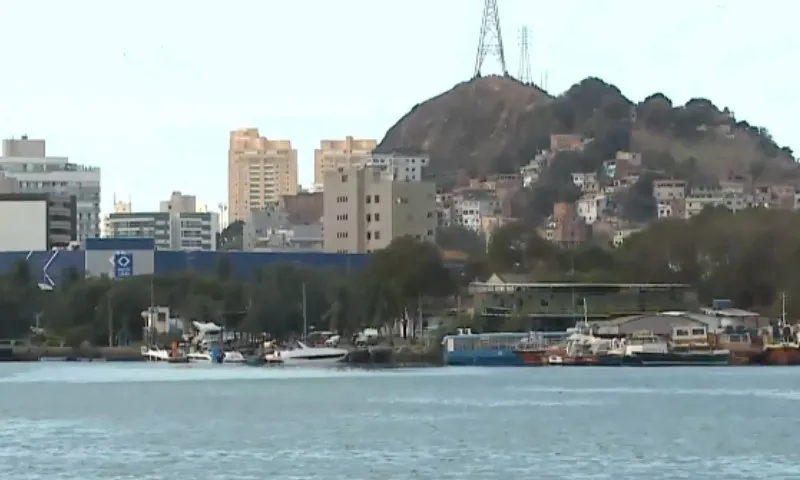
(106, 421)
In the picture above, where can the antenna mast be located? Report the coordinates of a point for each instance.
(491, 39)
(524, 74)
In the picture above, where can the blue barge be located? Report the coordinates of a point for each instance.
(483, 349)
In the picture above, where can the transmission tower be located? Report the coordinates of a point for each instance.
(524, 74)
(491, 39)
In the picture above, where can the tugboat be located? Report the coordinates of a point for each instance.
(583, 347)
(645, 349)
(781, 345)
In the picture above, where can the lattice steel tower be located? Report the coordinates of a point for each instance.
(524, 75)
(491, 39)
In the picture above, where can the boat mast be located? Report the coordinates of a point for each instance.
(305, 316)
(783, 309)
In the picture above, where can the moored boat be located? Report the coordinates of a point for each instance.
(536, 348)
(483, 349)
(645, 349)
(302, 355)
(781, 344)
(158, 354)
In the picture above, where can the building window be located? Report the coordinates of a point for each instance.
(377, 217)
(369, 199)
(376, 235)
(369, 235)
(430, 214)
(369, 217)
(430, 233)
(344, 178)
(377, 199)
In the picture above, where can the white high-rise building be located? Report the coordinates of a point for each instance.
(26, 161)
(177, 226)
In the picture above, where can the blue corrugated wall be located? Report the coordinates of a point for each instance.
(245, 264)
(48, 267)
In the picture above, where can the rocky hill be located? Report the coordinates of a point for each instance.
(496, 124)
(478, 126)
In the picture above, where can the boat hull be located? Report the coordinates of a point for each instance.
(484, 358)
(778, 356)
(533, 358)
(665, 360)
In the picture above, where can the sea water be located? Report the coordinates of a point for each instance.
(111, 421)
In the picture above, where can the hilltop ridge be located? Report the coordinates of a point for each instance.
(494, 124)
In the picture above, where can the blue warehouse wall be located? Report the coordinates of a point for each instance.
(46, 266)
(245, 264)
(49, 267)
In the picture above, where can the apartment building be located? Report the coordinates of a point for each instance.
(260, 171)
(364, 209)
(669, 189)
(40, 221)
(405, 168)
(586, 181)
(332, 154)
(177, 226)
(25, 160)
(591, 206)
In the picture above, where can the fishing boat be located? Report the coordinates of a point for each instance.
(645, 349)
(582, 347)
(745, 348)
(483, 349)
(781, 342)
(537, 348)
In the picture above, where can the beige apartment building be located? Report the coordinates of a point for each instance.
(332, 154)
(364, 209)
(259, 172)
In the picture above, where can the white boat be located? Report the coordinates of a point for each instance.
(205, 357)
(303, 355)
(155, 354)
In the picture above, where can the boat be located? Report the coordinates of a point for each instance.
(746, 348)
(582, 347)
(645, 349)
(207, 345)
(300, 354)
(483, 349)
(216, 356)
(157, 354)
(536, 348)
(781, 342)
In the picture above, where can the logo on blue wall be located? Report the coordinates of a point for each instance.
(123, 264)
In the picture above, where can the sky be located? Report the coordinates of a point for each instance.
(150, 93)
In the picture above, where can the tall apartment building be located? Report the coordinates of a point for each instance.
(25, 160)
(333, 154)
(259, 172)
(177, 226)
(364, 209)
